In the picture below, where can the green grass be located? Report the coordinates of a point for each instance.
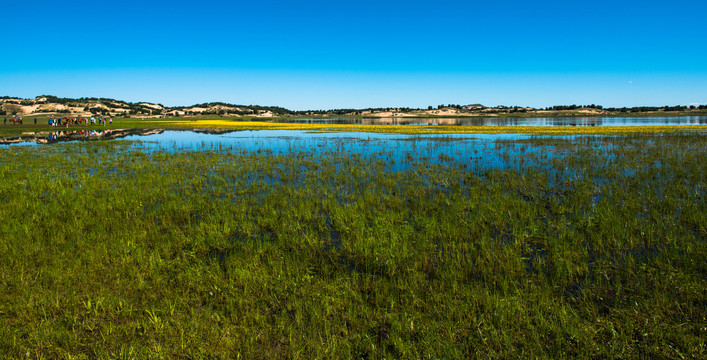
(110, 251)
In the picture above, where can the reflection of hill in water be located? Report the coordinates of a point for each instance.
(213, 131)
(47, 137)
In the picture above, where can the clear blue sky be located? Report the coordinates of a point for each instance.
(344, 54)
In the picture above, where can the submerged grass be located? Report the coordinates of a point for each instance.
(110, 251)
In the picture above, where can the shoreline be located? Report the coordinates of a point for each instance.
(232, 125)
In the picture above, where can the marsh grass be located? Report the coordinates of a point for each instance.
(236, 124)
(108, 250)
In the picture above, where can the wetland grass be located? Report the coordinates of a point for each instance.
(425, 129)
(220, 125)
(594, 247)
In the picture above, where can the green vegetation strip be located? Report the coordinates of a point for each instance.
(249, 124)
(425, 129)
(110, 251)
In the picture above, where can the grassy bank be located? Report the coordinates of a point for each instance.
(244, 124)
(427, 129)
(592, 248)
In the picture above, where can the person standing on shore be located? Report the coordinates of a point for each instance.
(35, 121)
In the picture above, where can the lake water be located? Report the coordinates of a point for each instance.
(501, 121)
(399, 151)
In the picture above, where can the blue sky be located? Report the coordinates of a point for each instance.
(334, 54)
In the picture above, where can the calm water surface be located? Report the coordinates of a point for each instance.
(500, 121)
(479, 152)
(483, 151)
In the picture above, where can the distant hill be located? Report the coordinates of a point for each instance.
(51, 105)
(48, 105)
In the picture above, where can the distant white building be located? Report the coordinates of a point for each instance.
(473, 107)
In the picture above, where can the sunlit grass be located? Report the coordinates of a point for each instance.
(428, 129)
(239, 124)
(593, 247)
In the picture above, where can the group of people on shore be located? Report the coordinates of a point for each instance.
(66, 121)
(80, 121)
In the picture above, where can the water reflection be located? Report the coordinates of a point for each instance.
(505, 121)
(48, 137)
